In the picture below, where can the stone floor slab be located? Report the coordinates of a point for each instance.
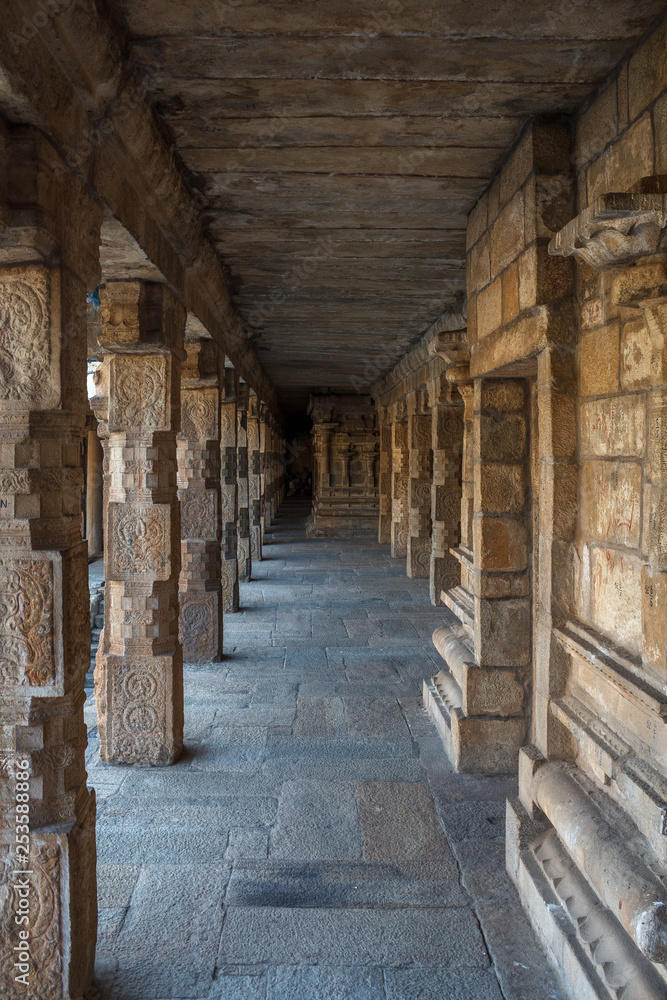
(346, 884)
(317, 820)
(393, 937)
(284, 856)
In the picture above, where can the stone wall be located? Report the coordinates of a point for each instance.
(557, 667)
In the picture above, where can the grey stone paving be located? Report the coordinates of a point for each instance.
(313, 842)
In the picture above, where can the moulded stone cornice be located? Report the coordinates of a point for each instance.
(615, 231)
(450, 328)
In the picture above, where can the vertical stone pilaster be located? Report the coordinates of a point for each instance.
(49, 259)
(466, 391)
(501, 541)
(244, 554)
(384, 523)
(139, 671)
(420, 462)
(447, 445)
(254, 477)
(400, 459)
(200, 592)
(229, 492)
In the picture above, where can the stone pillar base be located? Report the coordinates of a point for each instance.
(139, 707)
(477, 710)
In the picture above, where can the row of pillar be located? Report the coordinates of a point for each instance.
(421, 437)
(183, 512)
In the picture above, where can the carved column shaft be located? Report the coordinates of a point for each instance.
(200, 592)
(139, 671)
(419, 486)
(243, 519)
(254, 478)
(384, 523)
(399, 483)
(262, 467)
(447, 442)
(48, 261)
(229, 493)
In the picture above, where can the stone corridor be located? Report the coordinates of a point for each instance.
(312, 842)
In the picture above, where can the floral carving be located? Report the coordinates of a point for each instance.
(196, 621)
(198, 415)
(139, 392)
(198, 510)
(25, 339)
(26, 622)
(139, 538)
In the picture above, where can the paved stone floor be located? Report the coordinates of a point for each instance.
(312, 842)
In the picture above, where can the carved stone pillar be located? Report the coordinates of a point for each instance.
(447, 442)
(399, 482)
(244, 554)
(229, 492)
(254, 478)
(139, 670)
(419, 485)
(49, 253)
(384, 524)
(262, 467)
(200, 592)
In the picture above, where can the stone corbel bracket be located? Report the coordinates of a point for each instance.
(615, 231)
(451, 346)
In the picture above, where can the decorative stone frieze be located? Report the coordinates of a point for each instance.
(139, 670)
(48, 262)
(199, 485)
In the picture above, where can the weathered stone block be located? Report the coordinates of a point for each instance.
(499, 488)
(636, 349)
(599, 360)
(489, 309)
(614, 427)
(502, 632)
(507, 235)
(611, 501)
(500, 544)
(501, 438)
